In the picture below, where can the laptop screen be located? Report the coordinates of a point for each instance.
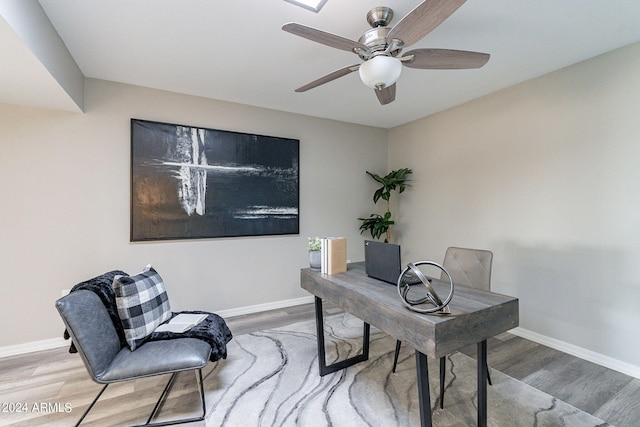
(382, 260)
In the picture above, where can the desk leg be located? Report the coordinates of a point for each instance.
(482, 383)
(424, 396)
(322, 361)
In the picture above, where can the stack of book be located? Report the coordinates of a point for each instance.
(333, 255)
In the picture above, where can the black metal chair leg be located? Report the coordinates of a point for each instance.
(395, 357)
(443, 372)
(159, 403)
(201, 382)
(162, 398)
(91, 406)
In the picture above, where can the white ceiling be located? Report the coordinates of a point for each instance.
(235, 50)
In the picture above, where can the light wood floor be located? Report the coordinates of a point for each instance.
(35, 388)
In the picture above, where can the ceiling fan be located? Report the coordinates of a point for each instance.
(380, 47)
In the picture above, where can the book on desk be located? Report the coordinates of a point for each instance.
(333, 255)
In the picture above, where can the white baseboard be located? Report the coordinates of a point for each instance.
(30, 347)
(583, 353)
(264, 307)
(14, 350)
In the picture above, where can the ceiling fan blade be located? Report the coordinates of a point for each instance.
(329, 77)
(445, 59)
(324, 38)
(386, 95)
(422, 20)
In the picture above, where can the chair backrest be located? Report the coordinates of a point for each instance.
(468, 267)
(91, 330)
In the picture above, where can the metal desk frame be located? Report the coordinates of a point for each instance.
(352, 291)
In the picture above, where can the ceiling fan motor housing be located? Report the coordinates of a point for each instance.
(376, 38)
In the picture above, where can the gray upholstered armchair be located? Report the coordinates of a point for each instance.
(107, 360)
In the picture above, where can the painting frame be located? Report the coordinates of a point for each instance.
(192, 182)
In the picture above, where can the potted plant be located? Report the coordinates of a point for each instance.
(315, 246)
(377, 224)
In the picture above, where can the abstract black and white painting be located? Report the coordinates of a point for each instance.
(192, 183)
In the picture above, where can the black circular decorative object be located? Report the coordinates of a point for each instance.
(430, 297)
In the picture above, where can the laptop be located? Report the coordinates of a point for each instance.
(382, 261)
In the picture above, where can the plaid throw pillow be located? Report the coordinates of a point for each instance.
(142, 304)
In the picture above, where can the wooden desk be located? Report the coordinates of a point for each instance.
(475, 316)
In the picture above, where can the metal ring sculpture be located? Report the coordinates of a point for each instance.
(431, 295)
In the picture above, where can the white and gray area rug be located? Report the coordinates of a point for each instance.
(271, 379)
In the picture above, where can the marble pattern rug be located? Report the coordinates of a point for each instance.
(271, 379)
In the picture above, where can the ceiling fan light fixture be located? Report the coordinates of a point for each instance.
(380, 71)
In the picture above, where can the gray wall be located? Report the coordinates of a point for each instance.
(546, 174)
(65, 205)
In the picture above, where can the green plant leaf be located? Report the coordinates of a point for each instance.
(396, 179)
(377, 224)
(376, 177)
